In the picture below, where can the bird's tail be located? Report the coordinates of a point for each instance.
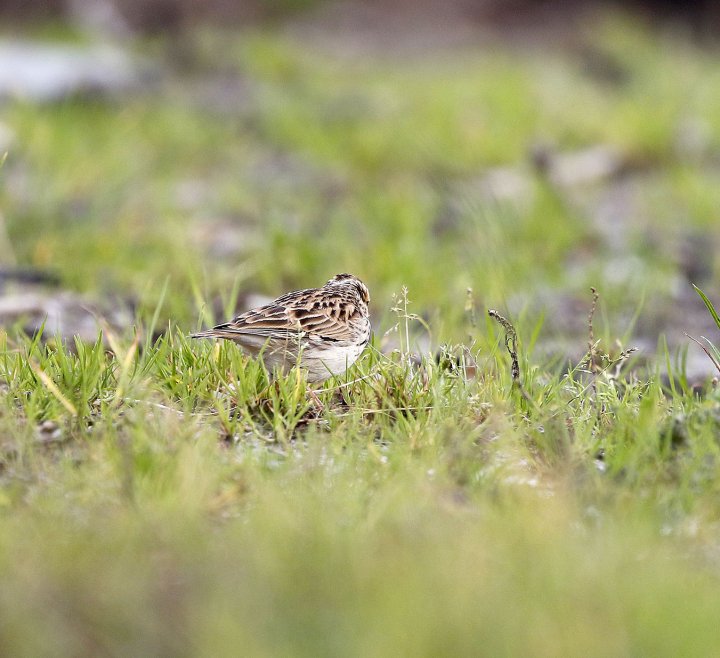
(218, 332)
(208, 333)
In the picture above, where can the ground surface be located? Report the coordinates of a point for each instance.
(162, 497)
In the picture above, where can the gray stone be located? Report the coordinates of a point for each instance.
(39, 72)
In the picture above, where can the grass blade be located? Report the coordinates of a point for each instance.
(52, 387)
(708, 304)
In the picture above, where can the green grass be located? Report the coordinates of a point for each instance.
(162, 496)
(181, 502)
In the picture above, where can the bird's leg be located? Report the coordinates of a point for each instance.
(317, 403)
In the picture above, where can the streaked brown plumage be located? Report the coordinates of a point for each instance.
(323, 330)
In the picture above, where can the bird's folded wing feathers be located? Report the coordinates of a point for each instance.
(288, 321)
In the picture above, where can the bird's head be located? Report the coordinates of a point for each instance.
(351, 280)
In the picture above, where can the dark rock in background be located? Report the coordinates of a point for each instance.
(154, 16)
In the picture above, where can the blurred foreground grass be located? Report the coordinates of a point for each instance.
(166, 499)
(425, 513)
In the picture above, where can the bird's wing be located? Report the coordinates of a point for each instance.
(301, 313)
(270, 321)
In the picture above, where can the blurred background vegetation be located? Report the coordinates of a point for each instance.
(525, 151)
(181, 160)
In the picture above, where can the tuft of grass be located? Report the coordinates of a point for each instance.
(708, 346)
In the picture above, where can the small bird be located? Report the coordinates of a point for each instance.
(323, 330)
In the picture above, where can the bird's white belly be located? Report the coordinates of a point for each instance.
(321, 360)
(332, 360)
